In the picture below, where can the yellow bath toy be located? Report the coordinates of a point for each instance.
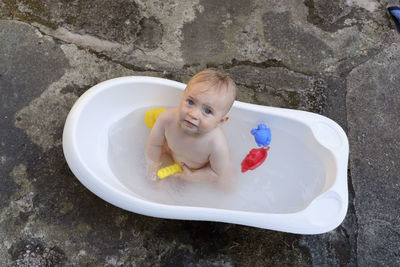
(151, 116)
(169, 170)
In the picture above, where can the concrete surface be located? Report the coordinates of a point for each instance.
(338, 58)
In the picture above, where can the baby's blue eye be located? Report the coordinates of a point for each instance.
(190, 102)
(207, 111)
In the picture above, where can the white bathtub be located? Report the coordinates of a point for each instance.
(300, 188)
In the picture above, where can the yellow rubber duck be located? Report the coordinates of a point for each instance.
(149, 119)
(151, 116)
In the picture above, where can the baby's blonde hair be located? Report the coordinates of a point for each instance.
(216, 80)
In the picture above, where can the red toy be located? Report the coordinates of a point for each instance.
(254, 158)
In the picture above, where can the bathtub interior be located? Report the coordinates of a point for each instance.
(113, 135)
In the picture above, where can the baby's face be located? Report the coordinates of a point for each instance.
(200, 110)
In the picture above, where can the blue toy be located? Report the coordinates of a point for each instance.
(262, 135)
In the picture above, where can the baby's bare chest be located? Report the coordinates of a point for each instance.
(188, 148)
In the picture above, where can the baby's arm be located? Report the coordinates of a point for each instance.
(154, 145)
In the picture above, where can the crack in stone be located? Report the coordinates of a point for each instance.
(30, 18)
(234, 63)
(121, 63)
(60, 32)
(82, 43)
(82, 40)
(345, 70)
(270, 63)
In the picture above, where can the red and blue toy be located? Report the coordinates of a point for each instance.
(256, 156)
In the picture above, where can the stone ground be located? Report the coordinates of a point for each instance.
(337, 58)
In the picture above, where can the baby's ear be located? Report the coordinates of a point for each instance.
(224, 119)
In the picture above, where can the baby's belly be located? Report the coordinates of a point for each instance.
(192, 164)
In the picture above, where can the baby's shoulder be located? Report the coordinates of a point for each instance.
(167, 116)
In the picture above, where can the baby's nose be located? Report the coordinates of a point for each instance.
(194, 113)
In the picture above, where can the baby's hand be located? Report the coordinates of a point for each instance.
(186, 174)
(152, 169)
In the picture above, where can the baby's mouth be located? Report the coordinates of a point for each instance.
(187, 122)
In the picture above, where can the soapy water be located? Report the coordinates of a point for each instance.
(289, 179)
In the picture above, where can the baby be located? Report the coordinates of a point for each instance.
(191, 135)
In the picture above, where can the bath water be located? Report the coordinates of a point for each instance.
(289, 179)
